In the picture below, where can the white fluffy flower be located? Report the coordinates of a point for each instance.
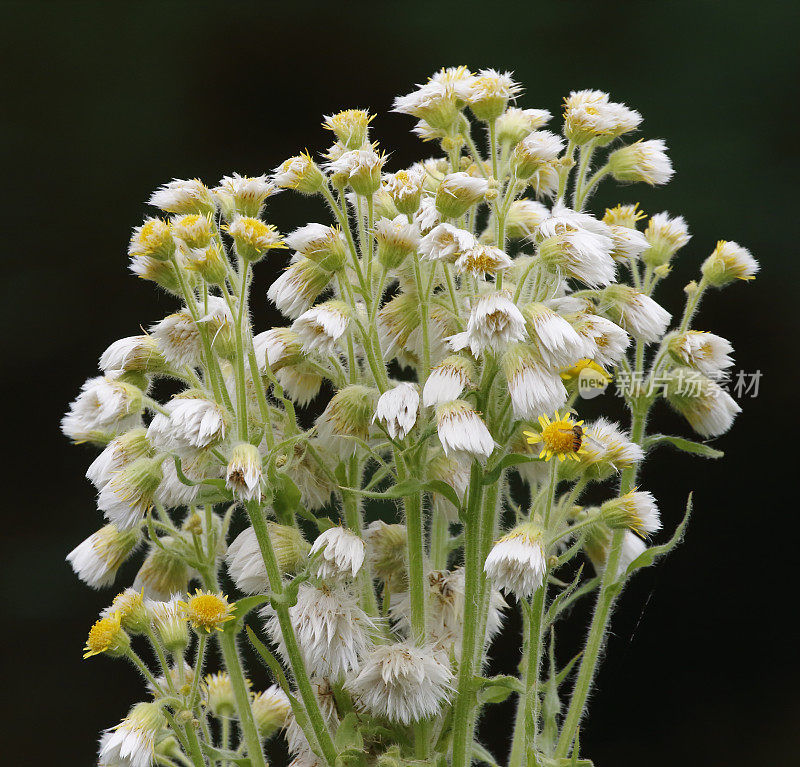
(605, 444)
(606, 341)
(555, 340)
(534, 150)
(706, 352)
(494, 323)
(274, 347)
(446, 242)
(246, 194)
(397, 410)
(341, 551)
(132, 742)
(322, 326)
(178, 339)
(577, 245)
(332, 630)
(245, 474)
(130, 494)
(402, 683)
(191, 423)
(516, 562)
(180, 196)
(297, 288)
(447, 380)
(481, 260)
(462, 432)
(134, 353)
(643, 161)
(534, 389)
(636, 511)
(628, 243)
(104, 405)
(97, 559)
(636, 312)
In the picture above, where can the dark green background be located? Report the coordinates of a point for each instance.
(105, 101)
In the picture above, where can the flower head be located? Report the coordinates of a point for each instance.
(636, 511)
(244, 195)
(448, 380)
(271, 710)
(481, 260)
(494, 323)
(729, 262)
(207, 611)
(402, 683)
(397, 410)
(299, 172)
(514, 124)
(458, 192)
(253, 237)
(561, 437)
(534, 389)
(703, 351)
(107, 636)
(341, 553)
(332, 630)
(350, 126)
(405, 188)
(179, 196)
(462, 432)
(244, 475)
(446, 242)
(132, 742)
(643, 161)
(97, 559)
(322, 326)
(535, 150)
(516, 564)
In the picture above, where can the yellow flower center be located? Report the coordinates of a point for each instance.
(208, 611)
(102, 635)
(562, 437)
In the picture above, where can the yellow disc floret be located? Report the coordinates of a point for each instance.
(561, 437)
(207, 611)
(107, 636)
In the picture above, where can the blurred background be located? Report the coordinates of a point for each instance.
(106, 101)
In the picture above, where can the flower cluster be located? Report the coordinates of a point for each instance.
(453, 312)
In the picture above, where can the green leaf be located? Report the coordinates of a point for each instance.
(555, 605)
(512, 459)
(564, 673)
(686, 445)
(348, 735)
(480, 754)
(410, 487)
(285, 496)
(241, 608)
(496, 689)
(225, 756)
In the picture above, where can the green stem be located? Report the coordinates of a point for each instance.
(465, 700)
(259, 523)
(532, 694)
(227, 643)
(439, 539)
(602, 611)
(423, 298)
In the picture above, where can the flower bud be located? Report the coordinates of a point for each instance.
(131, 608)
(164, 572)
(643, 161)
(350, 126)
(219, 695)
(396, 239)
(301, 173)
(537, 149)
(729, 262)
(458, 192)
(666, 237)
(253, 237)
(153, 239)
(245, 475)
(169, 623)
(405, 188)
